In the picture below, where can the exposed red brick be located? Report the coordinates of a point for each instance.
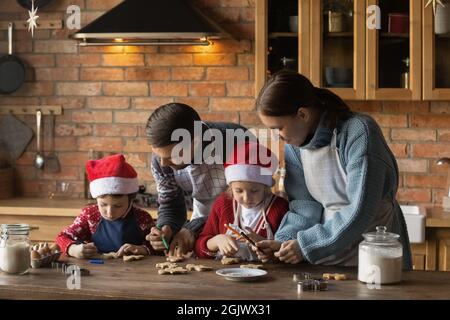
(74, 130)
(116, 130)
(427, 121)
(125, 89)
(117, 60)
(108, 144)
(170, 60)
(188, 73)
(78, 89)
(170, 89)
(77, 60)
(152, 73)
(227, 73)
(207, 89)
(101, 74)
(215, 59)
(92, 116)
(232, 104)
(108, 102)
(56, 74)
(413, 134)
(149, 103)
(436, 150)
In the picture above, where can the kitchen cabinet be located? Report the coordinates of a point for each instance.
(436, 52)
(334, 45)
(434, 253)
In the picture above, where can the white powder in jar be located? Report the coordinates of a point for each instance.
(390, 268)
(15, 257)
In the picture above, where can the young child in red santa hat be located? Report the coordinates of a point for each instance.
(113, 224)
(248, 206)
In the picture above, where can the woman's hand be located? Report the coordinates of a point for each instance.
(82, 251)
(155, 237)
(253, 235)
(290, 252)
(131, 249)
(265, 249)
(226, 244)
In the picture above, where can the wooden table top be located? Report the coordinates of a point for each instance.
(140, 280)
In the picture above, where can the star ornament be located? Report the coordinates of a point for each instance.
(435, 4)
(33, 18)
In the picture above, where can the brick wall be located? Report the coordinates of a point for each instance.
(107, 94)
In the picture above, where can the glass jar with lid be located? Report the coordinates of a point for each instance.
(15, 248)
(380, 257)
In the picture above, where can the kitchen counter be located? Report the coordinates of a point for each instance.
(63, 207)
(437, 218)
(140, 280)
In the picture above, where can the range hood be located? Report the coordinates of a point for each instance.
(150, 22)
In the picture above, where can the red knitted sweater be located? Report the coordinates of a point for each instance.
(87, 222)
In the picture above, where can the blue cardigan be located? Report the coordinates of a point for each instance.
(372, 175)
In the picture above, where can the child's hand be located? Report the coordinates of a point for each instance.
(182, 243)
(155, 237)
(83, 250)
(225, 244)
(131, 249)
(290, 252)
(265, 249)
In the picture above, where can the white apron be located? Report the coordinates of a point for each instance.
(326, 181)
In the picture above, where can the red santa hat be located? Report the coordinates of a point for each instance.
(251, 162)
(111, 175)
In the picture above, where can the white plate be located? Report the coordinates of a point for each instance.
(241, 274)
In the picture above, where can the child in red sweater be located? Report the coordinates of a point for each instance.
(249, 204)
(113, 224)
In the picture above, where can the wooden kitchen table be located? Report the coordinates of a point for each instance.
(116, 279)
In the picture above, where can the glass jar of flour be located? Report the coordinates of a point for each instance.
(380, 257)
(15, 248)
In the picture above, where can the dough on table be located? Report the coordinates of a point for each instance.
(198, 267)
(228, 260)
(109, 255)
(252, 266)
(133, 258)
(166, 265)
(174, 259)
(334, 276)
(176, 270)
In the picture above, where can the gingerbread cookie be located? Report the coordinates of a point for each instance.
(133, 258)
(176, 270)
(252, 266)
(228, 261)
(166, 265)
(334, 276)
(109, 255)
(198, 267)
(174, 259)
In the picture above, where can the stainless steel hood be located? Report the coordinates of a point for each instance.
(151, 22)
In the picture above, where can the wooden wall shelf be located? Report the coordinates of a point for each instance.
(31, 110)
(41, 24)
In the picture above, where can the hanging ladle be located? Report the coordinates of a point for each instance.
(39, 159)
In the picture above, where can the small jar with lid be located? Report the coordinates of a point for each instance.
(380, 257)
(15, 248)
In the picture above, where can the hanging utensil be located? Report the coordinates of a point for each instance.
(52, 161)
(12, 69)
(39, 159)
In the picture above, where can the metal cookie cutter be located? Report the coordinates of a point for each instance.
(310, 284)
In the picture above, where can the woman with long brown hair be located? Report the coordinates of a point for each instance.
(341, 177)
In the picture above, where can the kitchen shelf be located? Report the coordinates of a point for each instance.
(339, 34)
(275, 35)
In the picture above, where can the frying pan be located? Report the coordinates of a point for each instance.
(37, 3)
(12, 69)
